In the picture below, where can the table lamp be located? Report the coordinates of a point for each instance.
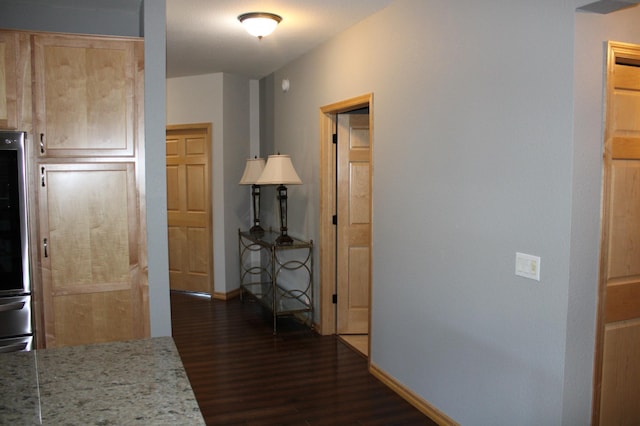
(279, 171)
(252, 171)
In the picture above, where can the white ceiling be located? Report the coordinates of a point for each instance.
(204, 36)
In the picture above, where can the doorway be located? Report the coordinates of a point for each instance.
(346, 220)
(189, 208)
(617, 360)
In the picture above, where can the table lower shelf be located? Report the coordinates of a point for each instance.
(287, 302)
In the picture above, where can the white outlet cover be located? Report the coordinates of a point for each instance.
(528, 266)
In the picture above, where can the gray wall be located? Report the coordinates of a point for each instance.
(123, 18)
(111, 17)
(236, 100)
(474, 155)
(155, 166)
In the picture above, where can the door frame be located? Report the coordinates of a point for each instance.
(615, 51)
(328, 249)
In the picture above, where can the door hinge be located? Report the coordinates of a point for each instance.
(334, 219)
(335, 138)
(334, 299)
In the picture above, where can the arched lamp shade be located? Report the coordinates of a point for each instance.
(279, 171)
(252, 171)
(259, 24)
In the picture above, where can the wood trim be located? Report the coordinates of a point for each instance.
(196, 127)
(140, 162)
(226, 296)
(412, 398)
(93, 288)
(327, 246)
(349, 104)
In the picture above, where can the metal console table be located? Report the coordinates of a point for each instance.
(278, 276)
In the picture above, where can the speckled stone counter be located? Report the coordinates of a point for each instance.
(121, 383)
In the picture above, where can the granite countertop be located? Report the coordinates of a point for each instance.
(138, 381)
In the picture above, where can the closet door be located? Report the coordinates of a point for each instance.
(89, 253)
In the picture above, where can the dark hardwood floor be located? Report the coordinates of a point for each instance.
(242, 374)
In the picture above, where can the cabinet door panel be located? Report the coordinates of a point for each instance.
(93, 317)
(89, 219)
(8, 82)
(85, 91)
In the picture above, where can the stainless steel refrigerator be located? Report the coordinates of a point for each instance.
(16, 330)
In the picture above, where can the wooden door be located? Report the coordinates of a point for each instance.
(354, 223)
(90, 254)
(618, 359)
(86, 92)
(8, 80)
(189, 208)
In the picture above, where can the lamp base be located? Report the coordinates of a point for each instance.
(284, 240)
(256, 230)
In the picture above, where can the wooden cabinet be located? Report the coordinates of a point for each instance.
(88, 174)
(90, 259)
(85, 95)
(8, 80)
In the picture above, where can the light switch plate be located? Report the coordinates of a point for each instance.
(528, 266)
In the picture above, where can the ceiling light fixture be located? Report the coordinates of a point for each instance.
(259, 24)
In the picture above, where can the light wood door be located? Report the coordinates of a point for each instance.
(354, 223)
(8, 80)
(86, 92)
(92, 279)
(189, 208)
(619, 351)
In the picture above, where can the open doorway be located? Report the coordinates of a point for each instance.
(345, 228)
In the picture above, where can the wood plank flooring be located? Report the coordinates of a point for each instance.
(242, 374)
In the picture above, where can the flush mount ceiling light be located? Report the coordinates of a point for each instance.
(259, 24)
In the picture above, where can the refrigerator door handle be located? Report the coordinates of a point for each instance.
(15, 347)
(13, 306)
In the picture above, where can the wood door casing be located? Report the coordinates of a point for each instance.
(91, 268)
(617, 383)
(328, 230)
(189, 208)
(354, 223)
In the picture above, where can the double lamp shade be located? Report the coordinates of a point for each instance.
(278, 170)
